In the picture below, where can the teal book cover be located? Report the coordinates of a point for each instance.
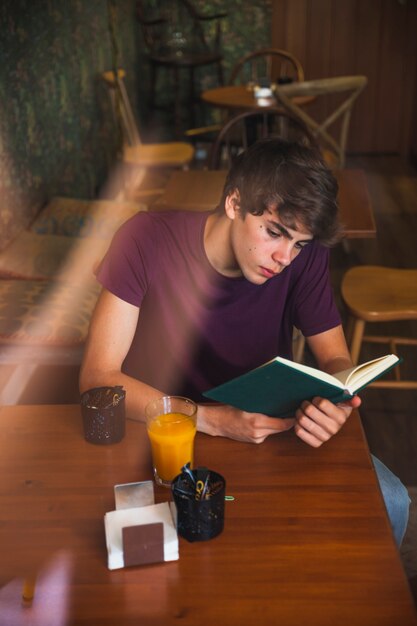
(278, 387)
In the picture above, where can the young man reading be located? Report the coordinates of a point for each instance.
(191, 300)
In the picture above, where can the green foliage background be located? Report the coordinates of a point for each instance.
(57, 134)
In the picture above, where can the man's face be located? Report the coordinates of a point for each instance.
(262, 245)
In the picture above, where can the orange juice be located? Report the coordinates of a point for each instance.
(172, 437)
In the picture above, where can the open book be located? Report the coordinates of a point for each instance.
(278, 387)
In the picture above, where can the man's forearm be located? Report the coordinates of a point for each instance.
(337, 364)
(138, 394)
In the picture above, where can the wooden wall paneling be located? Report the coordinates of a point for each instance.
(409, 108)
(390, 77)
(288, 27)
(278, 30)
(367, 49)
(279, 24)
(376, 38)
(296, 28)
(318, 38)
(318, 52)
(412, 145)
(343, 41)
(343, 54)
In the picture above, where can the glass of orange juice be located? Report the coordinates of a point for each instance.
(171, 424)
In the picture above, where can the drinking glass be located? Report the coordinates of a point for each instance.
(171, 425)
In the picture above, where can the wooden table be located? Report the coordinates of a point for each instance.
(306, 540)
(240, 97)
(201, 190)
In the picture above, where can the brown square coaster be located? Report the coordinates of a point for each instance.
(143, 544)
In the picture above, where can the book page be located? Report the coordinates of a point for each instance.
(332, 379)
(355, 377)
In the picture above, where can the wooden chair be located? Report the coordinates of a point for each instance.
(243, 129)
(273, 64)
(151, 155)
(333, 145)
(179, 39)
(267, 64)
(380, 294)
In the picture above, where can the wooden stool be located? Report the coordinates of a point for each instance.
(142, 155)
(380, 294)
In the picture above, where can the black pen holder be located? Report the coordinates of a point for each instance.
(103, 413)
(199, 519)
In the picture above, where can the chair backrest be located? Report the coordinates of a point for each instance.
(122, 108)
(243, 129)
(272, 64)
(341, 108)
(179, 27)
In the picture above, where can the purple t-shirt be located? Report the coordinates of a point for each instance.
(196, 327)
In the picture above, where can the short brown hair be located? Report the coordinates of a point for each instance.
(293, 178)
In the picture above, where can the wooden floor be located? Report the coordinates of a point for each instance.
(389, 417)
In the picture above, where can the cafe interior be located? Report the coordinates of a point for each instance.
(113, 107)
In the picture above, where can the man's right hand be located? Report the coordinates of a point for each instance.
(221, 420)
